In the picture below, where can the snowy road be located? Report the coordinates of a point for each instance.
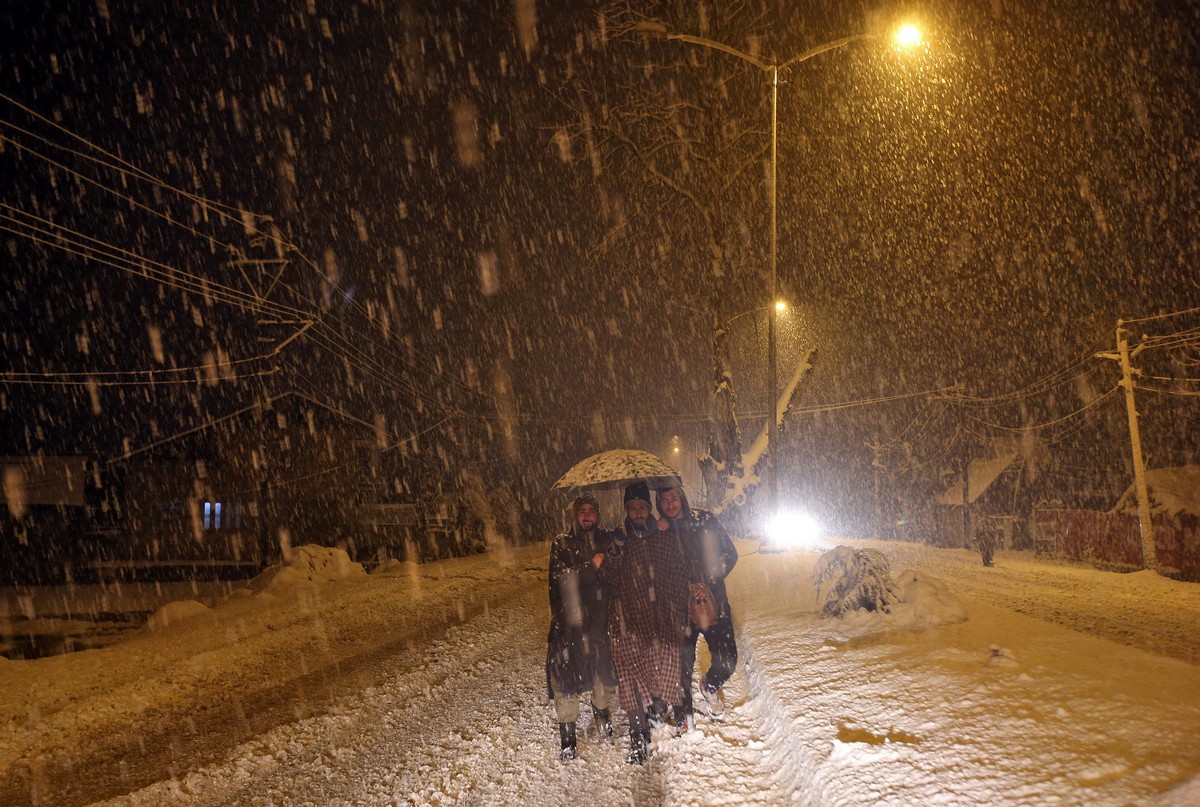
(469, 724)
(424, 685)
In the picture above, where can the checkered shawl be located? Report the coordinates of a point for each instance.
(647, 618)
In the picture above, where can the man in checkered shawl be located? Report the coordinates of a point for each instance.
(647, 617)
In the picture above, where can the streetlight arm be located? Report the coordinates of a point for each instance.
(825, 48)
(767, 67)
(735, 317)
(709, 43)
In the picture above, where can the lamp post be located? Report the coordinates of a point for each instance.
(906, 36)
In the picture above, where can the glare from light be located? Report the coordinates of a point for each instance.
(908, 36)
(780, 306)
(794, 529)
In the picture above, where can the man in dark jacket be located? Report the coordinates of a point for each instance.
(710, 556)
(647, 618)
(578, 657)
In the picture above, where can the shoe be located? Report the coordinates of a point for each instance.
(712, 701)
(566, 733)
(657, 713)
(639, 747)
(602, 724)
(684, 721)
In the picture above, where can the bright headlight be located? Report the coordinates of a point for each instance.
(794, 529)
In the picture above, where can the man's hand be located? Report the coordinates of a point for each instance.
(663, 525)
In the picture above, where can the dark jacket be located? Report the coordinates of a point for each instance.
(707, 549)
(577, 647)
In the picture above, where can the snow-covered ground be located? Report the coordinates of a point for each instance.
(424, 685)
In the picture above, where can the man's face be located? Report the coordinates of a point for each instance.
(638, 511)
(670, 504)
(587, 516)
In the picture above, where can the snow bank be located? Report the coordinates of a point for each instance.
(925, 602)
(174, 612)
(393, 566)
(309, 565)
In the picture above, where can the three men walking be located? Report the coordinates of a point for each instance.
(644, 582)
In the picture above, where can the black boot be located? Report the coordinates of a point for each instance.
(657, 713)
(639, 747)
(603, 724)
(684, 721)
(566, 733)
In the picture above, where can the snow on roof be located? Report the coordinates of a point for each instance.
(1172, 491)
(980, 476)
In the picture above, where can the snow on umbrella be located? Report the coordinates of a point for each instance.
(617, 468)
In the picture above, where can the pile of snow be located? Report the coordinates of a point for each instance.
(924, 601)
(1172, 491)
(309, 565)
(175, 612)
(394, 566)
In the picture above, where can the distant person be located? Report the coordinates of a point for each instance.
(647, 617)
(710, 556)
(578, 655)
(985, 536)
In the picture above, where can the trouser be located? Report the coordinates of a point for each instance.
(722, 646)
(638, 720)
(566, 707)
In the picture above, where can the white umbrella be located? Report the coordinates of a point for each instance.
(616, 469)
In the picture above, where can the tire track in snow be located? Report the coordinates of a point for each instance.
(468, 724)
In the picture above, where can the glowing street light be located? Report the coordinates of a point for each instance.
(907, 36)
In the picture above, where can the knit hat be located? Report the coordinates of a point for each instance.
(638, 490)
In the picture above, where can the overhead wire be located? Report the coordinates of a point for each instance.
(64, 237)
(138, 265)
(1062, 419)
(217, 208)
(149, 382)
(1167, 315)
(130, 168)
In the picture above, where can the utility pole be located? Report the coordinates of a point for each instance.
(876, 465)
(966, 494)
(773, 323)
(1123, 356)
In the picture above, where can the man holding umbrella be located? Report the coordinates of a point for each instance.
(578, 658)
(647, 617)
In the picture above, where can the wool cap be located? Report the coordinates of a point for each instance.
(638, 490)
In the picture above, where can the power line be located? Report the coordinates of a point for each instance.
(283, 243)
(149, 382)
(133, 170)
(1167, 315)
(1023, 429)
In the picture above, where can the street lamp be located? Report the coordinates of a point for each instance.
(780, 306)
(908, 35)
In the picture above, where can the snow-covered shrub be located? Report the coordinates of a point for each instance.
(858, 578)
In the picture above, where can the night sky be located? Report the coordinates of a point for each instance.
(516, 219)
